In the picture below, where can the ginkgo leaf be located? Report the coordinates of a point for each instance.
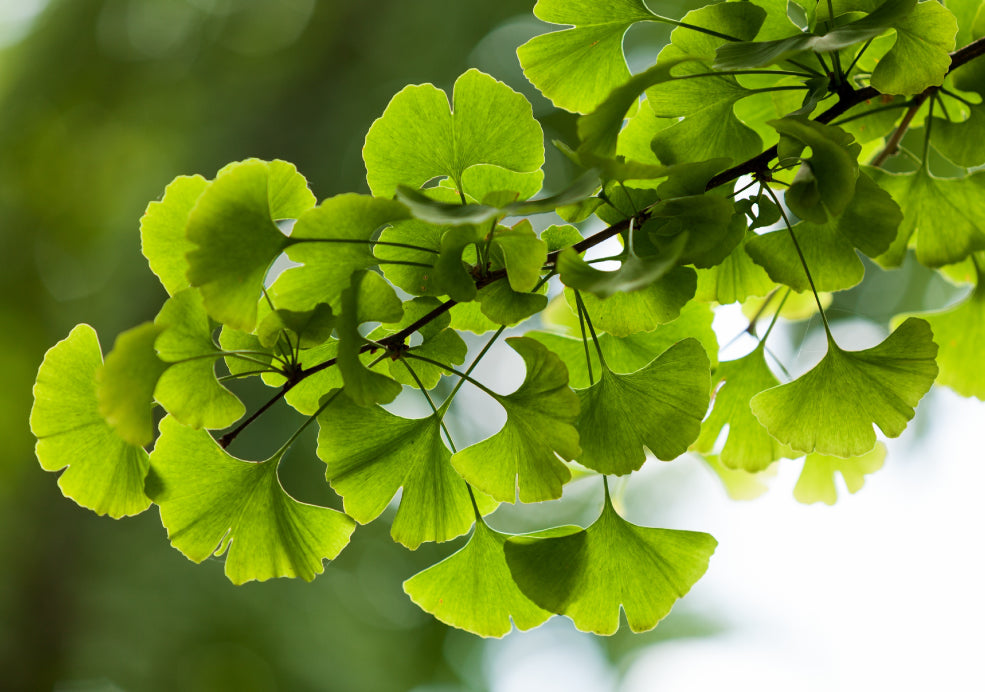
(521, 253)
(659, 407)
(739, 485)
(473, 589)
(588, 575)
(748, 446)
(370, 454)
(125, 384)
(641, 311)
(300, 328)
(633, 274)
(236, 239)
(188, 389)
(577, 67)
(369, 299)
(833, 262)
(947, 216)
(502, 305)
(417, 278)
(919, 58)
(709, 127)
(104, 473)
(741, 55)
(734, 279)
(960, 333)
(832, 408)
(522, 458)
(826, 180)
(817, 483)
(437, 342)
(331, 242)
(623, 354)
(162, 231)
(212, 502)
(488, 123)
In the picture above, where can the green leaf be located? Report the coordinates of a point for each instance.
(125, 384)
(301, 329)
(576, 68)
(961, 142)
(369, 299)
(832, 260)
(212, 502)
(634, 273)
(826, 181)
(960, 332)
(332, 242)
(709, 127)
(659, 407)
(473, 589)
(188, 389)
(741, 55)
(416, 280)
(588, 575)
(641, 311)
(739, 485)
(437, 342)
(439, 211)
(832, 408)
(370, 454)
(712, 227)
(624, 354)
(735, 279)
(947, 215)
(502, 305)
(817, 483)
(919, 58)
(522, 458)
(522, 253)
(419, 137)
(104, 473)
(747, 446)
(234, 340)
(162, 231)
(236, 239)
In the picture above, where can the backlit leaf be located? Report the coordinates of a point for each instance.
(832, 408)
(102, 471)
(588, 575)
(162, 231)
(817, 483)
(212, 502)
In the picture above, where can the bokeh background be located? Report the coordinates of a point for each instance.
(102, 103)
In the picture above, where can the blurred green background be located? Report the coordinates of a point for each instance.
(102, 103)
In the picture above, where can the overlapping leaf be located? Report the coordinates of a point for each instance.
(947, 216)
(235, 237)
(642, 311)
(658, 407)
(747, 446)
(332, 241)
(162, 231)
(709, 127)
(960, 333)
(832, 408)
(576, 68)
(370, 454)
(419, 137)
(588, 575)
(125, 384)
(102, 471)
(212, 503)
(522, 458)
(369, 298)
(188, 389)
(474, 590)
(817, 483)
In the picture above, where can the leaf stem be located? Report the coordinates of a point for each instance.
(893, 143)
(692, 27)
(803, 260)
(453, 371)
(582, 310)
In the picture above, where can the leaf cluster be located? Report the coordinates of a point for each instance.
(747, 165)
